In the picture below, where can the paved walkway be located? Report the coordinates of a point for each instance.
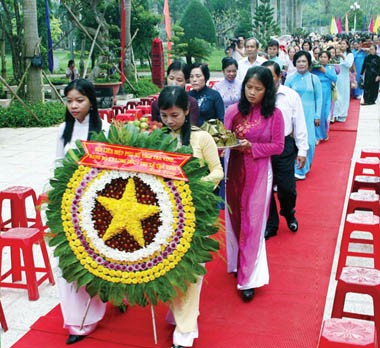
(27, 156)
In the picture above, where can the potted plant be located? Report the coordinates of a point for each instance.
(106, 81)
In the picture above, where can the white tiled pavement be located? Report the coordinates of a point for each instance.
(26, 158)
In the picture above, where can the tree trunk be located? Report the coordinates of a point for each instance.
(253, 7)
(289, 15)
(128, 43)
(33, 81)
(13, 33)
(283, 16)
(298, 14)
(3, 57)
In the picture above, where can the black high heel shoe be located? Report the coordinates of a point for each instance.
(74, 339)
(247, 294)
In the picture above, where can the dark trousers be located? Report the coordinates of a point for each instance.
(371, 91)
(283, 177)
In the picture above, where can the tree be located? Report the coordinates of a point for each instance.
(199, 30)
(32, 51)
(197, 22)
(264, 24)
(225, 21)
(11, 24)
(195, 48)
(144, 23)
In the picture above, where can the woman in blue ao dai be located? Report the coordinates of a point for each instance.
(327, 75)
(309, 88)
(343, 83)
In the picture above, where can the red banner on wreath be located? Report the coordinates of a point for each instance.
(127, 158)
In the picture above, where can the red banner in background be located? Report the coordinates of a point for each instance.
(133, 159)
(158, 70)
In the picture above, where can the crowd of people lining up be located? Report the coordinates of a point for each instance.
(279, 103)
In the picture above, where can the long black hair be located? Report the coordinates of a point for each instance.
(264, 75)
(87, 89)
(176, 96)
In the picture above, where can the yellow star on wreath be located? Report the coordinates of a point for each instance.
(127, 214)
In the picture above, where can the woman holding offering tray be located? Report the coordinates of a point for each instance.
(173, 103)
(259, 126)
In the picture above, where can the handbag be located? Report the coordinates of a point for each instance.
(361, 83)
(353, 83)
(334, 92)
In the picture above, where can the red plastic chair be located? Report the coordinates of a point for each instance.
(18, 196)
(42, 199)
(367, 166)
(22, 239)
(370, 153)
(131, 105)
(145, 109)
(117, 109)
(146, 101)
(125, 117)
(360, 280)
(366, 182)
(345, 333)
(154, 96)
(364, 200)
(134, 113)
(363, 222)
(211, 83)
(3, 321)
(106, 114)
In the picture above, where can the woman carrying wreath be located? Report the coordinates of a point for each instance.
(259, 126)
(173, 103)
(81, 119)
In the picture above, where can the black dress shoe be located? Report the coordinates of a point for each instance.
(177, 346)
(292, 223)
(74, 339)
(270, 232)
(247, 294)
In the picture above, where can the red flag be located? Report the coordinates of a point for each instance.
(168, 28)
(371, 25)
(339, 25)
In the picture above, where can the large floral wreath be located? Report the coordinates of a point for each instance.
(128, 234)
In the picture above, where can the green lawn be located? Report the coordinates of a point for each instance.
(62, 56)
(215, 60)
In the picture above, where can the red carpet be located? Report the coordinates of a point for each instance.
(285, 314)
(351, 123)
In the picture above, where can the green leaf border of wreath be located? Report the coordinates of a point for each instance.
(176, 280)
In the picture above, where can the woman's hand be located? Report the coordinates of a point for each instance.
(322, 69)
(244, 145)
(317, 122)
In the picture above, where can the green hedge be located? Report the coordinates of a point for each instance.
(144, 87)
(16, 115)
